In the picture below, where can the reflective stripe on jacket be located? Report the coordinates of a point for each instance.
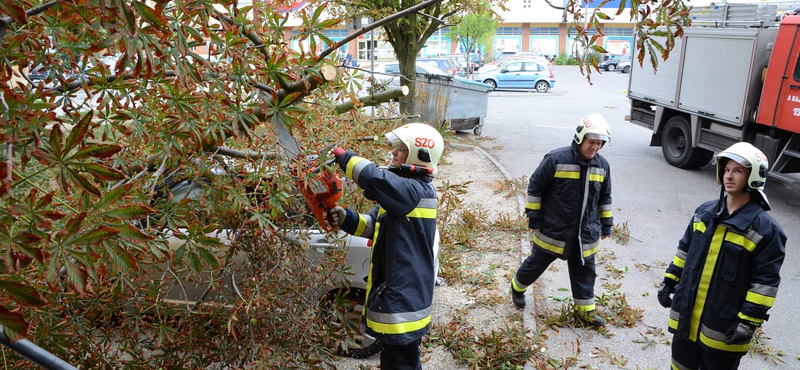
(569, 200)
(727, 270)
(402, 227)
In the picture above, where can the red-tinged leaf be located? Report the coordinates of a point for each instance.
(26, 238)
(16, 210)
(77, 276)
(84, 183)
(328, 23)
(209, 258)
(97, 151)
(151, 16)
(104, 44)
(194, 262)
(318, 13)
(74, 223)
(111, 197)
(53, 215)
(128, 18)
(22, 294)
(101, 172)
(132, 212)
(209, 241)
(55, 141)
(45, 200)
(43, 157)
(16, 12)
(121, 257)
(14, 325)
(132, 234)
(96, 235)
(78, 132)
(31, 252)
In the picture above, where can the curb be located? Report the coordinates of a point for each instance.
(529, 313)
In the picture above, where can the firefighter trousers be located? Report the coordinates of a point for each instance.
(402, 357)
(581, 275)
(688, 355)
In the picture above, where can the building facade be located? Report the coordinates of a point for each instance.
(526, 26)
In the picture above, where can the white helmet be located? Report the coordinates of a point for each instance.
(424, 143)
(749, 156)
(593, 126)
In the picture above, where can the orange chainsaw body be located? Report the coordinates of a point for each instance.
(321, 191)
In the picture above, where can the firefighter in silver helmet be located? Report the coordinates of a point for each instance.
(402, 227)
(569, 210)
(726, 272)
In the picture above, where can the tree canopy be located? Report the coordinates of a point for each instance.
(139, 99)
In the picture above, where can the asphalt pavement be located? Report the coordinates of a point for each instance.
(653, 201)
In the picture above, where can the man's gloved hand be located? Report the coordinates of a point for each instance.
(740, 333)
(337, 215)
(665, 293)
(336, 152)
(605, 231)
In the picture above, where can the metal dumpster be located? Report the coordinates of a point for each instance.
(456, 102)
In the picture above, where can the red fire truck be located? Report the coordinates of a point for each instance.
(727, 80)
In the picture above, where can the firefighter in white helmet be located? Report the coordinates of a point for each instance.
(403, 230)
(726, 272)
(569, 210)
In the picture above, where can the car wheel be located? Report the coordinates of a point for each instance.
(491, 83)
(610, 67)
(676, 145)
(542, 86)
(626, 69)
(345, 319)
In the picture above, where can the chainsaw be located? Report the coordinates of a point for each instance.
(320, 187)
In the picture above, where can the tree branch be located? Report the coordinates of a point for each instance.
(372, 26)
(373, 99)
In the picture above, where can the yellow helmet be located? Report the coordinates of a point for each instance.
(425, 144)
(749, 156)
(593, 126)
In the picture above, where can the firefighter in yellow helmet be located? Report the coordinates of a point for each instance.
(569, 210)
(726, 272)
(403, 229)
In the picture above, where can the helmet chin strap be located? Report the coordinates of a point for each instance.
(411, 169)
(721, 202)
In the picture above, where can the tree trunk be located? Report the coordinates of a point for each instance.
(408, 40)
(408, 67)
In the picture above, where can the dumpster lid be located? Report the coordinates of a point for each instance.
(434, 76)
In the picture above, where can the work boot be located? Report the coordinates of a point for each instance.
(591, 319)
(517, 297)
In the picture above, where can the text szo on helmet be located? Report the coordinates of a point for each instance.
(424, 142)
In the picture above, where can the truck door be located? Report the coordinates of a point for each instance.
(780, 99)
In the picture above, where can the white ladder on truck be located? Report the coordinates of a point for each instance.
(757, 14)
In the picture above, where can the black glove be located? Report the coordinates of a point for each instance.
(740, 333)
(665, 293)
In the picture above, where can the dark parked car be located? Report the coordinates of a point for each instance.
(612, 63)
(444, 63)
(38, 73)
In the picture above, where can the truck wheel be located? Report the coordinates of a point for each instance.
(356, 344)
(676, 145)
